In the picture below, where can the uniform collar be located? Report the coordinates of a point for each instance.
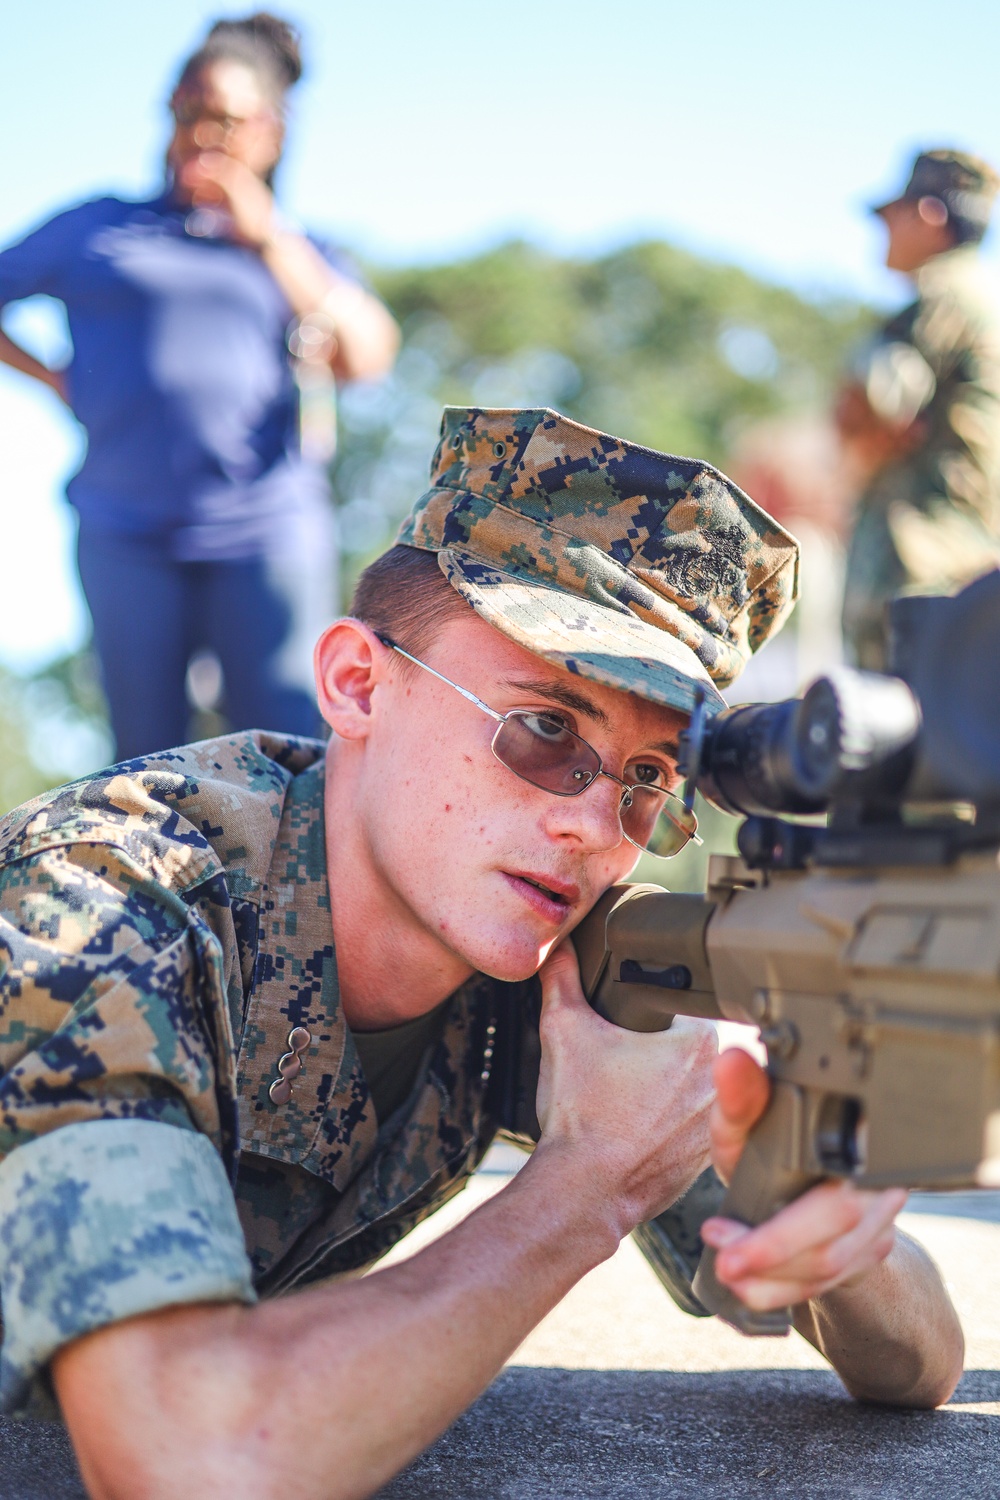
(943, 266)
(323, 1119)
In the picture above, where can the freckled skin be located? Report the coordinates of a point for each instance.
(438, 883)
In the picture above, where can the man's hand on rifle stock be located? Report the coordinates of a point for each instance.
(634, 1105)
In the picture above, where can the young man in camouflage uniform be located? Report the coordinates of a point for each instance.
(923, 414)
(261, 1004)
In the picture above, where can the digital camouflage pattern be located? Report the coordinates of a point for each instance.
(633, 568)
(930, 519)
(102, 1221)
(163, 927)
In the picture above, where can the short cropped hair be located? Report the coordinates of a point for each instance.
(403, 594)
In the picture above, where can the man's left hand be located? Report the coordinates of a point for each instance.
(833, 1236)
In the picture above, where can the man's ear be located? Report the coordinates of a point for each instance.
(349, 662)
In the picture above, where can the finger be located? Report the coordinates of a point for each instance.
(719, 1233)
(821, 1215)
(743, 1090)
(560, 979)
(824, 1240)
(765, 1293)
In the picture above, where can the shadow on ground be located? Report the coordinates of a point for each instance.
(542, 1434)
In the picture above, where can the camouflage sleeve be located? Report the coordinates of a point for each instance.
(113, 999)
(116, 1100)
(104, 1221)
(899, 383)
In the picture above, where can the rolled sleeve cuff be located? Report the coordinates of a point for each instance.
(102, 1221)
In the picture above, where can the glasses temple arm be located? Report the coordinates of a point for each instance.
(470, 697)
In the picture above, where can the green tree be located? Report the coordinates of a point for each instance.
(650, 343)
(53, 726)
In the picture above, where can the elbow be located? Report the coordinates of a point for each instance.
(913, 1382)
(171, 1403)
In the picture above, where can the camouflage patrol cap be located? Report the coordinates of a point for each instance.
(633, 568)
(965, 184)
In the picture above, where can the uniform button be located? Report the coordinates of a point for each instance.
(299, 1039)
(290, 1065)
(280, 1091)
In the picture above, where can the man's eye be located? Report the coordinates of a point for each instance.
(646, 773)
(546, 726)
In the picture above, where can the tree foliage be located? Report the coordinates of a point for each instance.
(650, 343)
(53, 726)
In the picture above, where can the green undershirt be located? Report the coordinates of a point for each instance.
(391, 1059)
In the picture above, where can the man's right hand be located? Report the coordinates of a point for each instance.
(634, 1106)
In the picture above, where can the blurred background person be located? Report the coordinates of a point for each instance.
(920, 420)
(203, 524)
(793, 465)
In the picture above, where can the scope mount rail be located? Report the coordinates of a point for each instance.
(776, 844)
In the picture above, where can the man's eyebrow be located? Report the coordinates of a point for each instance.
(559, 692)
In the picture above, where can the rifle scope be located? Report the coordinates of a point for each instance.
(797, 756)
(929, 734)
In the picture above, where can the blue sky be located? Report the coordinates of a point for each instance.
(754, 133)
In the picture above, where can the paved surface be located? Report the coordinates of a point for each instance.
(629, 1435)
(618, 1394)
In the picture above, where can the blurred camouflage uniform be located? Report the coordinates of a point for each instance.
(185, 1116)
(930, 519)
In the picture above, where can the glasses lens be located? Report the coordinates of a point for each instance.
(657, 821)
(543, 751)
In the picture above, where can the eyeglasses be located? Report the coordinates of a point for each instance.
(540, 750)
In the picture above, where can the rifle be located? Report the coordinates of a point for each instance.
(867, 950)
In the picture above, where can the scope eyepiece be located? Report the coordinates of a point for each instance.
(797, 755)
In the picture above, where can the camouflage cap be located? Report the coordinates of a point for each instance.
(965, 184)
(633, 568)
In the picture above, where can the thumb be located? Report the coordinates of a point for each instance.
(742, 1092)
(560, 979)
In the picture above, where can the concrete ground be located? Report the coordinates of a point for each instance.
(617, 1395)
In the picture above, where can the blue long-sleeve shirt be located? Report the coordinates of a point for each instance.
(180, 376)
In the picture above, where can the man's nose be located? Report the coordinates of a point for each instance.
(592, 817)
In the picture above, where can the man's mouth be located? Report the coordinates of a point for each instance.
(546, 890)
(558, 894)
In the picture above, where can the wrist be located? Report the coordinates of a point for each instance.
(572, 1185)
(271, 242)
(278, 232)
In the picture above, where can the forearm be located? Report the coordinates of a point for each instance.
(351, 1380)
(366, 334)
(894, 1336)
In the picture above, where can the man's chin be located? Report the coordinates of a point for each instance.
(513, 963)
